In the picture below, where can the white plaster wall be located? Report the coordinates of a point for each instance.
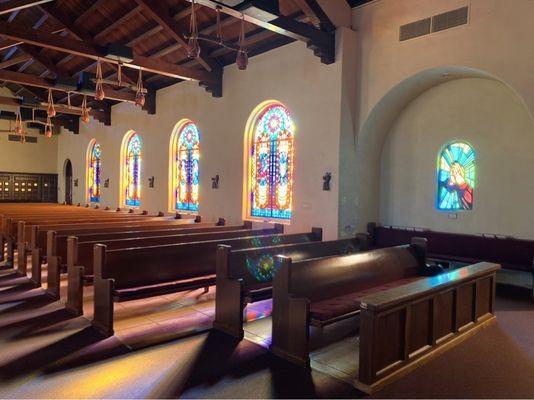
(489, 116)
(292, 75)
(496, 42)
(40, 157)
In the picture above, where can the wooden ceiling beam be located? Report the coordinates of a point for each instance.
(158, 11)
(17, 102)
(316, 14)
(87, 13)
(17, 5)
(60, 17)
(118, 22)
(14, 61)
(322, 43)
(44, 83)
(88, 50)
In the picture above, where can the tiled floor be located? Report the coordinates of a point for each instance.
(163, 348)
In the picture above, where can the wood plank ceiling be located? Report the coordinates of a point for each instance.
(43, 40)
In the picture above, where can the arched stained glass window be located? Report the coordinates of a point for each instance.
(456, 177)
(185, 167)
(94, 169)
(270, 163)
(131, 170)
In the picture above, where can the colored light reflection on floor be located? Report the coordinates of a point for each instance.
(259, 310)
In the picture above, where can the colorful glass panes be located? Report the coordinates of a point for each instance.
(132, 168)
(93, 172)
(456, 177)
(186, 170)
(271, 164)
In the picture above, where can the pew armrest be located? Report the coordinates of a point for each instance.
(410, 292)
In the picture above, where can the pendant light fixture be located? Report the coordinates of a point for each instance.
(48, 128)
(193, 47)
(242, 56)
(99, 89)
(18, 127)
(51, 111)
(139, 94)
(85, 110)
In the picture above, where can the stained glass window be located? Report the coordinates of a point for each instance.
(271, 164)
(132, 172)
(94, 167)
(186, 168)
(456, 177)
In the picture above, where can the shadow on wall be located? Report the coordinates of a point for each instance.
(374, 131)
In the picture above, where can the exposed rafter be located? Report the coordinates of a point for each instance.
(88, 50)
(316, 14)
(322, 43)
(15, 60)
(157, 10)
(45, 83)
(17, 5)
(13, 101)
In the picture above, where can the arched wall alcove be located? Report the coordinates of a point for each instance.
(399, 143)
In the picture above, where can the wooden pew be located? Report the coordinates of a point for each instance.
(245, 276)
(401, 324)
(18, 227)
(324, 291)
(80, 260)
(58, 247)
(129, 274)
(26, 237)
(404, 327)
(511, 253)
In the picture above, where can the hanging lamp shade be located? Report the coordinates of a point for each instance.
(99, 89)
(242, 56)
(51, 111)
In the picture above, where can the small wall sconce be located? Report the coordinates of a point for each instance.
(151, 182)
(76, 182)
(326, 180)
(215, 182)
(106, 183)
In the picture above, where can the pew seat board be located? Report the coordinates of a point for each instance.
(335, 309)
(141, 292)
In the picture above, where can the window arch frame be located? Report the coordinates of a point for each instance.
(89, 171)
(248, 160)
(124, 171)
(176, 136)
(470, 181)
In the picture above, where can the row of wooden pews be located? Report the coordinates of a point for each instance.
(407, 310)
(450, 249)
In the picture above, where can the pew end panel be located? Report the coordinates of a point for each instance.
(229, 307)
(103, 294)
(36, 267)
(75, 274)
(22, 256)
(54, 266)
(236, 287)
(290, 319)
(74, 303)
(404, 327)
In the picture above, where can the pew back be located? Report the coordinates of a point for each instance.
(510, 252)
(257, 266)
(329, 277)
(156, 264)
